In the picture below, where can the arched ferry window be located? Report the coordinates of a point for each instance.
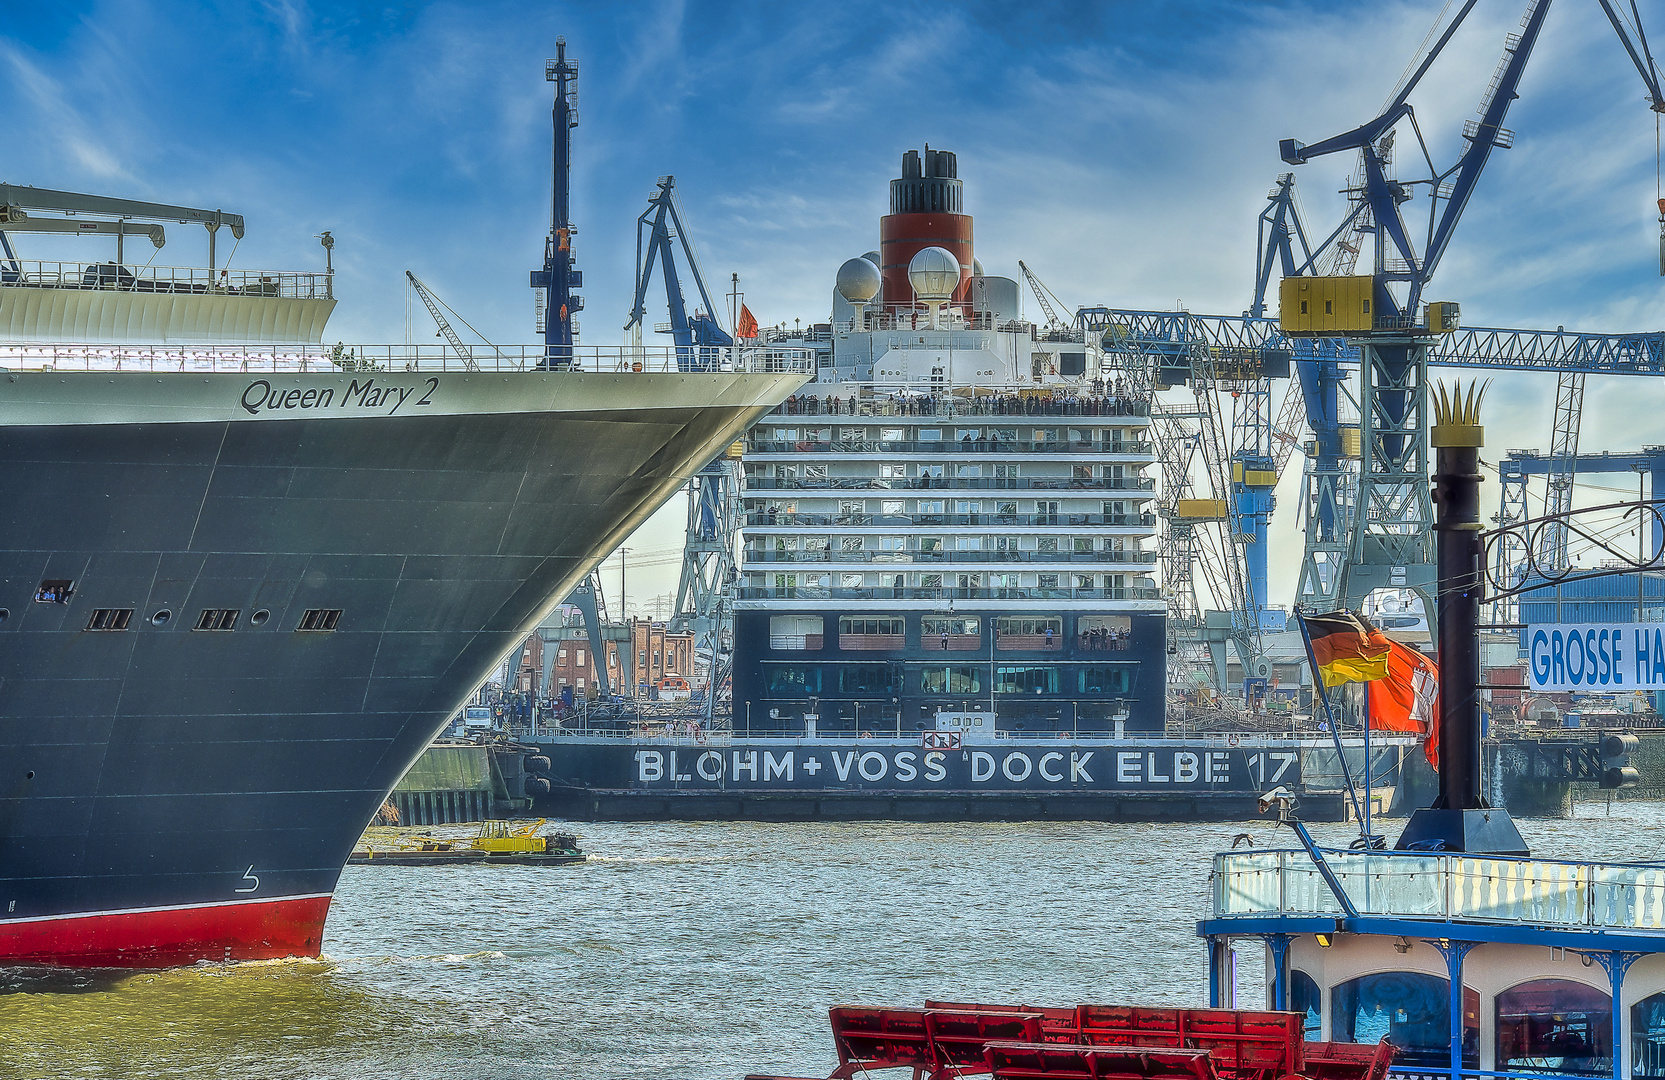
(1412, 1010)
(1555, 1026)
(1647, 1036)
(1304, 997)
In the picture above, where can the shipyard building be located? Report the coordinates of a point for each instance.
(952, 526)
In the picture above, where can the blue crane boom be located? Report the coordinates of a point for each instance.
(657, 230)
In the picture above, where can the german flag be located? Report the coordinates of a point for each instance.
(1346, 649)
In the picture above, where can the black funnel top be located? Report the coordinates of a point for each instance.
(929, 186)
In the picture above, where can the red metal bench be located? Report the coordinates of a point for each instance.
(1055, 1061)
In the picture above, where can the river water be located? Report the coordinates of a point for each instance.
(686, 950)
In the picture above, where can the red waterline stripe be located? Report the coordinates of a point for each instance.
(170, 937)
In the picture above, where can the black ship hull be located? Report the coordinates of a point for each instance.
(187, 785)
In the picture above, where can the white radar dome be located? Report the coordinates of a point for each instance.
(872, 257)
(934, 273)
(858, 281)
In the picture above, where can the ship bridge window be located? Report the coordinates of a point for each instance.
(1107, 678)
(321, 620)
(869, 679)
(1409, 1008)
(56, 591)
(792, 680)
(1555, 1026)
(1305, 998)
(951, 680)
(1026, 680)
(218, 619)
(110, 619)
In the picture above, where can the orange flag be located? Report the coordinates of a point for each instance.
(1408, 699)
(748, 323)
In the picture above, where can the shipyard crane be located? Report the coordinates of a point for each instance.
(1367, 528)
(433, 303)
(556, 303)
(705, 591)
(1042, 294)
(696, 336)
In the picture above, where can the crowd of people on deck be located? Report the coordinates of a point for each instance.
(1100, 399)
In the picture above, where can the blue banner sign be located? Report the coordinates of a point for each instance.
(1595, 657)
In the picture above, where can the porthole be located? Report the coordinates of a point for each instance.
(30, 775)
(4, 614)
(161, 617)
(259, 618)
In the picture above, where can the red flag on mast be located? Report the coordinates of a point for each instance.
(1408, 699)
(747, 327)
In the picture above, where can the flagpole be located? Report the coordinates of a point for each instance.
(1367, 790)
(1329, 714)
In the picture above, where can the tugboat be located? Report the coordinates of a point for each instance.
(1560, 965)
(498, 844)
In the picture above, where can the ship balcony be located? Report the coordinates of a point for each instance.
(942, 592)
(982, 447)
(949, 406)
(1084, 559)
(1442, 888)
(784, 519)
(953, 483)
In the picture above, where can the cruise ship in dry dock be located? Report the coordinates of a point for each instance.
(242, 586)
(948, 539)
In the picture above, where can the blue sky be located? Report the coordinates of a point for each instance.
(1121, 149)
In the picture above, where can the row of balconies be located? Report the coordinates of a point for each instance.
(779, 517)
(1082, 559)
(973, 446)
(952, 483)
(943, 592)
(948, 405)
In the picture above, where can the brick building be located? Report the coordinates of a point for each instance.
(657, 652)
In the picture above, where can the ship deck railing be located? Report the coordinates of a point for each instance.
(878, 734)
(973, 446)
(952, 483)
(1069, 558)
(785, 518)
(928, 401)
(946, 592)
(370, 359)
(1443, 887)
(109, 277)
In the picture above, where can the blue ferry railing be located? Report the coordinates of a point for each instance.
(391, 359)
(1502, 889)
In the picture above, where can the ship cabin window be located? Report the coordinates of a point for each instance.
(1047, 544)
(1028, 632)
(1026, 680)
(1106, 678)
(951, 633)
(893, 434)
(792, 680)
(795, 632)
(56, 591)
(322, 620)
(1083, 545)
(110, 619)
(815, 472)
(930, 434)
(218, 619)
(870, 632)
(1305, 998)
(1104, 633)
(951, 680)
(1555, 1026)
(869, 679)
(1412, 1010)
(891, 507)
